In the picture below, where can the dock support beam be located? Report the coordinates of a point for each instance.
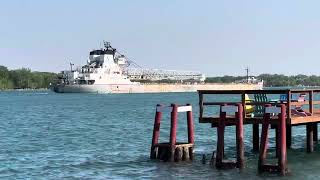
(315, 132)
(156, 133)
(281, 150)
(173, 130)
(289, 135)
(220, 162)
(310, 146)
(255, 137)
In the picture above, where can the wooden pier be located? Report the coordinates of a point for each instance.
(299, 108)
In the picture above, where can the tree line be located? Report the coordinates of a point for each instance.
(24, 78)
(272, 80)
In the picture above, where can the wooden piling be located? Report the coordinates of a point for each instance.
(315, 132)
(282, 161)
(156, 132)
(172, 150)
(289, 135)
(309, 131)
(281, 150)
(264, 141)
(190, 126)
(277, 135)
(255, 137)
(238, 120)
(220, 139)
(173, 130)
(186, 155)
(239, 137)
(178, 154)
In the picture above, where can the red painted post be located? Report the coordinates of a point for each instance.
(220, 140)
(156, 126)
(173, 130)
(239, 137)
(190, 126)
(264, 140)
(156, 130)
(283, 144)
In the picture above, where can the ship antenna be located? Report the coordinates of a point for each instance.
(106, 44)
(247, 70)
(71, 64)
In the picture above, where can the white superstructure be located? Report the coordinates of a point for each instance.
(103, 73)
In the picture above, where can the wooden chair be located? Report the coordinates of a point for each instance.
(259, 109)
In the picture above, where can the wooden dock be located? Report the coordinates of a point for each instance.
(308, 106)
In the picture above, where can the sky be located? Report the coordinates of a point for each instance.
(214, 37)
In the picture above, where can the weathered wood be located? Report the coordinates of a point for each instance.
(154, 152)
(185, 156)
(164, 154)
(191, 153)
(178, 154)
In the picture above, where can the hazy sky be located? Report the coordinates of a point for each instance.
(214, 37)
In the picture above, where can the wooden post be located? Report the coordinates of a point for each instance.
(310, 147)
(220, 140)
(282, 161)
(190, 126)
(277, 135)
(311, 102)
(243, 102)
(315, 125)
(173, 130)
(315, 132)
(200, 105)
(289, 127)
(255, 137)
(289, 135)
(156, 132)
(239, 137)
(264, 141)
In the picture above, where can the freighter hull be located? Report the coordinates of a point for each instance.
(151, 88)
(103, 88)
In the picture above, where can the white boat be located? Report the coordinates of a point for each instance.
(103, 73)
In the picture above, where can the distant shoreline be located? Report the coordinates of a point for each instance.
(27, 89)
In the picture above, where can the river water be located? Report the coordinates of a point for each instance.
(44, 135)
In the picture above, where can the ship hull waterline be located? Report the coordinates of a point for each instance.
(149, 88)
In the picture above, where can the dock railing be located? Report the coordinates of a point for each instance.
(302, 99)
(290, 102)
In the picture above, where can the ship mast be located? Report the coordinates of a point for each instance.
(247, 70)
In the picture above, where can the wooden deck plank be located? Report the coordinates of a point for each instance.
(303, 120)
(295, 120)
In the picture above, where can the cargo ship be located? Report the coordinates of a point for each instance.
(108, 71)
